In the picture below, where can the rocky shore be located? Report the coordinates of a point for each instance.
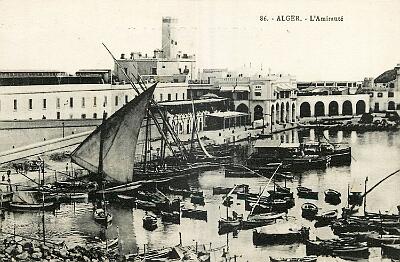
(19, 249)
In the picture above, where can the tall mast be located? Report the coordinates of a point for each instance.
(145, 142)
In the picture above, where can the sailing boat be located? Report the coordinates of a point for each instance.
(228, 224)
(110, 150)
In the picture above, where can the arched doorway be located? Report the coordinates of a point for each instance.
(287, 113)
(282, 112)
(319, 109)
(391, 105)
(333, 108)
(277, 113)
(360, 107)
(347, 108)
(242, 108)
(305, 110)
(258, 112)
(293, 112)
(272, 114)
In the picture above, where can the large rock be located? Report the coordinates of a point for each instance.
(37, 255)
(23, 256)
(64, 253)
(10, 249)
(19, 249)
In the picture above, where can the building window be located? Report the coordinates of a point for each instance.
(94, 115)
(83, 102)
(380, 94)
(58, 102)
(161, 98)
(44, 103)
(105, 101)
(83, 116)
(30, 104)
(126, 99)
(58, 115)
(94, 101)
(71, 102)
(169, 97)
(183, 96)
(176, 96)
(390, 94)
(15, 104)
(257, 93)
(116, 101)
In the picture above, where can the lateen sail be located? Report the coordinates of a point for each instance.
(120, 134)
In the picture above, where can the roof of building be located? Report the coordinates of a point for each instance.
(227, 114)
(386, 76)
(189, 102)
(30, 71)
(284, 86)
(233, 88)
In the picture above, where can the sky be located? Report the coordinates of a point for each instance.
(67, 35)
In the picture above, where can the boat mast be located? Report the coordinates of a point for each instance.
(145, 143)
(365, 193)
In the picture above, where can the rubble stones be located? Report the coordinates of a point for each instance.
(23, 250)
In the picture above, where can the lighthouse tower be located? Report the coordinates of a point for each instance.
(169, 44)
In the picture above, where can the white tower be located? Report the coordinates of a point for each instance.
(169, 44)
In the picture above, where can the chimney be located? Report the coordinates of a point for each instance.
(122, 56)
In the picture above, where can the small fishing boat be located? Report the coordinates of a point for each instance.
(150, 222)
(172, 217)
(194, 213)
(280, 234)
(326, 218)
(284, 175)
(229, 224)
(101, 216)
(33, 206)
(305, 192)
(197, 199)
(259, 220)
(146, 205)
(126, 200)
(391, 250)
(309, 210)
(332, 196)
(240, 174)
(293, 259)
(377, 240)
(357, 251)
(347, 211)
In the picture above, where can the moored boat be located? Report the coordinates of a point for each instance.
(359, 250)
(305, 192)
(101, 216)
(280, 234)
(332, 196)
(293, 259)
(33, 206)
(194, 213)
(172, 217)
(229, 224)
(391, 250)
(258, 220)
(325, 218)
(309, 210)
(150, 222)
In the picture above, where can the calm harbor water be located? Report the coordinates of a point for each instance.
(376, 154)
